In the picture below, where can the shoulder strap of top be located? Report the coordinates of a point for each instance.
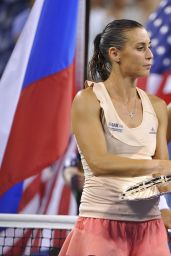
(88, 83)
(147, 105)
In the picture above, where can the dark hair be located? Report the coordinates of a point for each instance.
(113, 35)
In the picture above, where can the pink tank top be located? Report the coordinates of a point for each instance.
(101, 195)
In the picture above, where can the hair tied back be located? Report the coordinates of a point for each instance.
(97, 41)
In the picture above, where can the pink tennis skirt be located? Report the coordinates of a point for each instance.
(101, 237)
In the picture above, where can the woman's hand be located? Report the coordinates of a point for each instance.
(164, 188)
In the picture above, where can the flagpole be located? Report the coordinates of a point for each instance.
(87, 16)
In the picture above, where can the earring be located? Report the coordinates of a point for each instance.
(118, 61)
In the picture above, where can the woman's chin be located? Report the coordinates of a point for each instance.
(144, 73)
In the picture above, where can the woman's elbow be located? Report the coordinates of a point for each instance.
(96, 167)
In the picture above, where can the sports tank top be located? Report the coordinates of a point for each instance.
(101, 197)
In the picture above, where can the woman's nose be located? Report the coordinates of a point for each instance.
(149, 54)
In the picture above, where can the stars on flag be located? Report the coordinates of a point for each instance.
(159, 27)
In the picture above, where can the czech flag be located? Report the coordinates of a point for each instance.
(36, 91)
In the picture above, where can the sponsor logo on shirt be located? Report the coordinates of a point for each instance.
(115, 127)
(152, 131)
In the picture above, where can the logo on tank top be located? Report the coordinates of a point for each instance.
(115, 127)
(152, 131)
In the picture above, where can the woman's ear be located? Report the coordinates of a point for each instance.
(114, 54)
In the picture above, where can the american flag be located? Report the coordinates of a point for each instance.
(45, 193)
(159, 80)
(159, 28)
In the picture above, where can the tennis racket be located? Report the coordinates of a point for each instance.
(148, 188)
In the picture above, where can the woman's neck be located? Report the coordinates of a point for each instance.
(121, 89)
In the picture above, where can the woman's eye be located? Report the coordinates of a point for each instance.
(140, 48)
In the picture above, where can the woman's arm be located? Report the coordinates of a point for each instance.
(160, 108)
(162, 153)
(89, 133)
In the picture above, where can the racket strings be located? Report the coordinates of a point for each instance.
(136, 191)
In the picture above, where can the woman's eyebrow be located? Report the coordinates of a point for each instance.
(143, 43)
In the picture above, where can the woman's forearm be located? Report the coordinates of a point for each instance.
(123, 166)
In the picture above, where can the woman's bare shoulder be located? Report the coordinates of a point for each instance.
(157, 101)
(85, 98)
(160, 107)
(85, 109)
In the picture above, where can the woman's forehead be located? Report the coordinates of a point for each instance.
(137, 35)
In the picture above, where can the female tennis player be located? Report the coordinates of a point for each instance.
(121, 136)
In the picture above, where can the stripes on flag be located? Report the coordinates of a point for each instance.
(51, 197)
(159, 28)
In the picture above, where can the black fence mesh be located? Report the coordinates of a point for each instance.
(31, 241)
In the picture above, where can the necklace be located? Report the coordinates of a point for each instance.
(131, 113)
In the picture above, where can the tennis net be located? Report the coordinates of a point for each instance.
(35, 235)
